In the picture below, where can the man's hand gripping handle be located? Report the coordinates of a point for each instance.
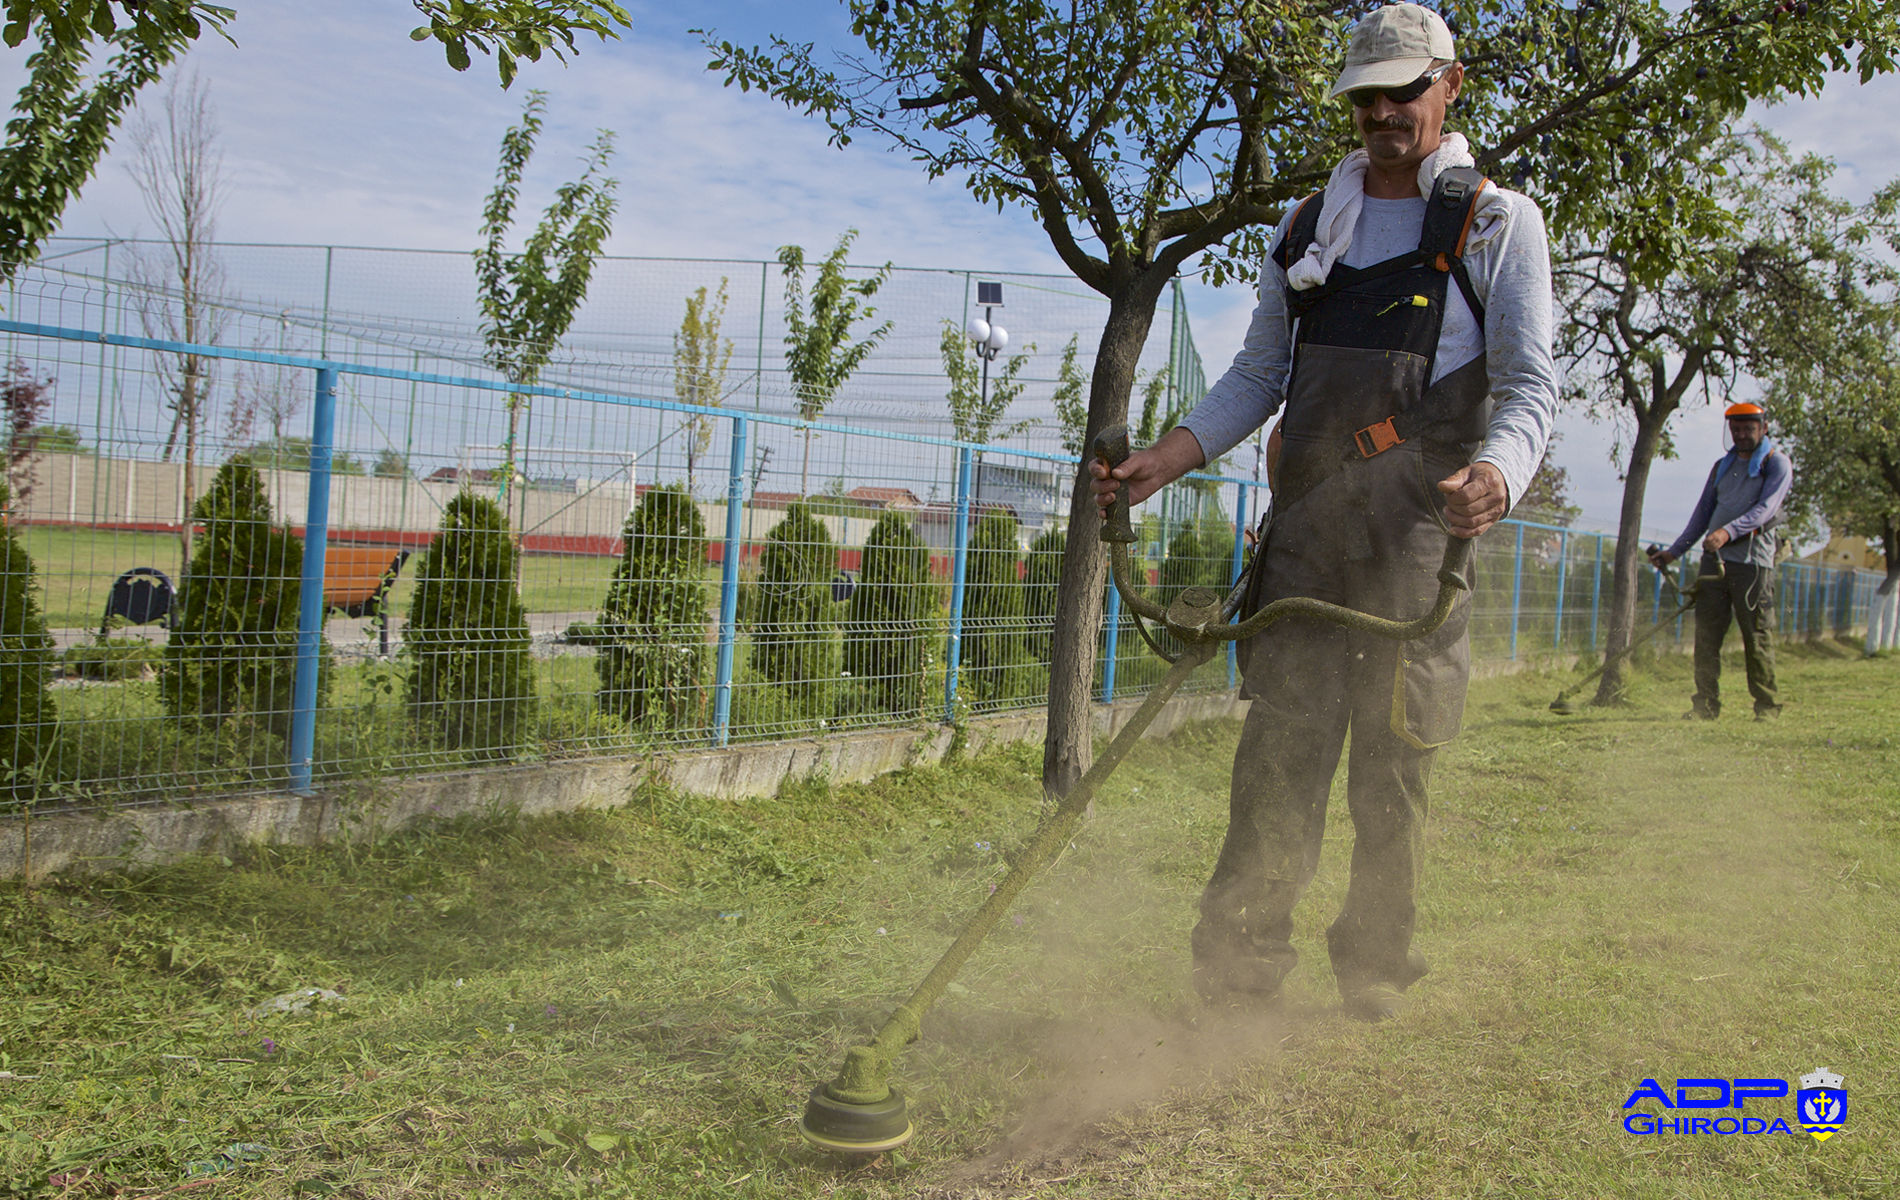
(1111, 447)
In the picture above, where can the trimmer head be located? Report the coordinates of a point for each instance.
(844, 1128)
(1563, 705)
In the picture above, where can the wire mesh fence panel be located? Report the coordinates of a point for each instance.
(335, 544)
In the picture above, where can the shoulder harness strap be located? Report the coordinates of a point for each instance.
(1302, 231)
(1448, 217)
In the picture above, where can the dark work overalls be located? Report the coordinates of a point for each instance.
(1358, 520)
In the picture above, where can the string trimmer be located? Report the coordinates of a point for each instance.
(859, 1111)
(1686, 601)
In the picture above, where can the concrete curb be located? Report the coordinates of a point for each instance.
(120, 838)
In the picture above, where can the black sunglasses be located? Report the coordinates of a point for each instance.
(1363, 97)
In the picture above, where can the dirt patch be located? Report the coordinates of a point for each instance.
(1102, 1077)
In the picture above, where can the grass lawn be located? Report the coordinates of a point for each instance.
(76, 568)
(634, 1003)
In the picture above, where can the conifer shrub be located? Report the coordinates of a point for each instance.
(471, 676)
(1041, 579)
(794, 619)
(28, 729)
(230, 661)
(994, 659)
(887, 626)
(111, 659)
(652, 627)
(1199, 555)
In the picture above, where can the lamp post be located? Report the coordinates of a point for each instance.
(989, 337)
(990, 340)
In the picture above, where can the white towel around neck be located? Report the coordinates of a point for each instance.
(1346, 194)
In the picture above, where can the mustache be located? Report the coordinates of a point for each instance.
(1389, 125)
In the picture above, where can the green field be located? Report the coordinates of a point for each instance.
(634, 1003)
(77, 566)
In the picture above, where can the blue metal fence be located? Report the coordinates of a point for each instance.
(1539, 587)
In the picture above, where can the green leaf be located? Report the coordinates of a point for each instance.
(786, 994)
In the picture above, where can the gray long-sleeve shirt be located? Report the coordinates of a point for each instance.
(1511, 276)
(1744, 495)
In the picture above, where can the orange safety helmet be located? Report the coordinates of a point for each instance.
(1746, 410)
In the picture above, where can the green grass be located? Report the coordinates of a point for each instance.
(77, 566)
(633, 1003)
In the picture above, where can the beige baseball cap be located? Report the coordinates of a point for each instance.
(1393, 46)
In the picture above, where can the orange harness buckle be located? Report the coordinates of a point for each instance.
(1377, 439)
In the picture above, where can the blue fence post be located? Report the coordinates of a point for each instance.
(1781, 599)
(958, 570)
(1794, 616)
(1111, 628)
(729, 585)
(1517, 586)
(316, 535)
(1596, 593)
(1241, 522)
(1563, 568)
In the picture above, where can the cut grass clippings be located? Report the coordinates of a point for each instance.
(634, 1003)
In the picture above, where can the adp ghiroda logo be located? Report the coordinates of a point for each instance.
(1820, 1106)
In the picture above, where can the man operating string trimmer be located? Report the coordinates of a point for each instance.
(1404, 324)
(1736, 519)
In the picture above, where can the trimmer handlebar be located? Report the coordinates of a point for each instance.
(1111, 447)
(1195, 616)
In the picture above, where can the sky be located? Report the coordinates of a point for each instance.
(337, 129)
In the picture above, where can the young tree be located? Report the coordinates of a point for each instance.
(23, 401)
(471, 674)
(29, 722)
(1041, 577)
(230, 659)
(178, 170)
(994, 658)
(1642, 344)
(529, 299)
(794, 619)
(1071, 402)
(266, 392)
(1153, 420)
(700, 358)
(1145, 135)
(819, 352)
(974, 415)
(887, 624)
(652, 661)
